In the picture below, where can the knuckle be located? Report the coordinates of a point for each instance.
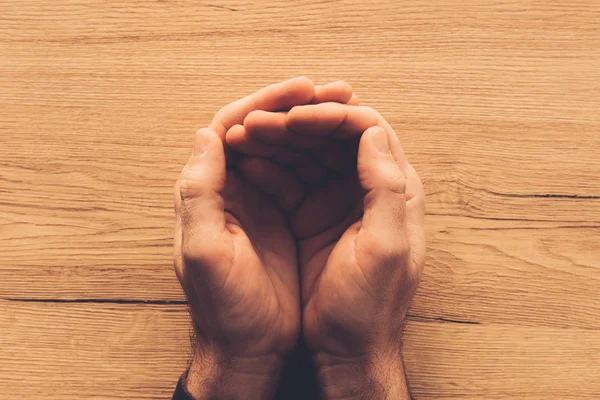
(391, 246)
(397, 183)
(203, 254)
(417, 265)
(385, 176)
(388, 252)
(194, 254)
(177, 192)
(190, 182)
(383, 250)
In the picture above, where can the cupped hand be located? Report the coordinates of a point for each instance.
(235, 256)
(360, 240)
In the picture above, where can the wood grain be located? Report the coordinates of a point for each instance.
(496, 103)
(131, 351)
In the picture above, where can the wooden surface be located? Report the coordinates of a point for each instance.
(497, 104)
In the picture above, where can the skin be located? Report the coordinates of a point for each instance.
(354, 224)
(361, 250)
(236, 259)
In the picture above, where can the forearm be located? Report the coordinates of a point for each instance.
(373, 379)
(213, 376)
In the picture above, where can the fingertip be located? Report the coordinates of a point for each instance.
(353, 100)
(338, 92)
(310, 114)
(299, 90)
(235, 135)
(256, 117)
(206, 166)
(303, 80)
(376, 164)
(375, 143)
(344, 89)
(305, 85)
(344, 84)
(259, 119)
(204, 140)
(292, 115)
(249, 119)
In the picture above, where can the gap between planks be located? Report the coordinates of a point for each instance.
(183, 302)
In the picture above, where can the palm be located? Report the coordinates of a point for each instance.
(336, 257)
(258, 292)
(320, 221)
(325, 218)
(326, 224)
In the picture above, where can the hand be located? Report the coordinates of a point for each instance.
(361, 247)
(236, 259)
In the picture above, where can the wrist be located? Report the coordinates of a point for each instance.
(372, 377)
(215, 375)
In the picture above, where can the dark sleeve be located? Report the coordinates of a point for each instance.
(180, 392)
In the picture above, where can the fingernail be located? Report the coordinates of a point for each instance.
(201, 142)
(380, 139)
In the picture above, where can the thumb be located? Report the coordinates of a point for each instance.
(198, 203)
(384, 219)
(205, 170)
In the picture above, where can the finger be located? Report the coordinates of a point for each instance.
(338, 91)
(280, 96)
(238, 139)
(342, 121)
(270, 127)
(285, 188)
(199, 202)
(353, 100)
(305, 167)
(384, 220)
(414, 187)
(263, 129)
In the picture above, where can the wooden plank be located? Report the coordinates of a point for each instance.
(492, 272)
(98, 118)
(531, 170)
(538, 273)
(134, 351)
(450, 361)
(497, 105)
(91, 351)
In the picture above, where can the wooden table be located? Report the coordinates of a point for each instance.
(496, 102)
